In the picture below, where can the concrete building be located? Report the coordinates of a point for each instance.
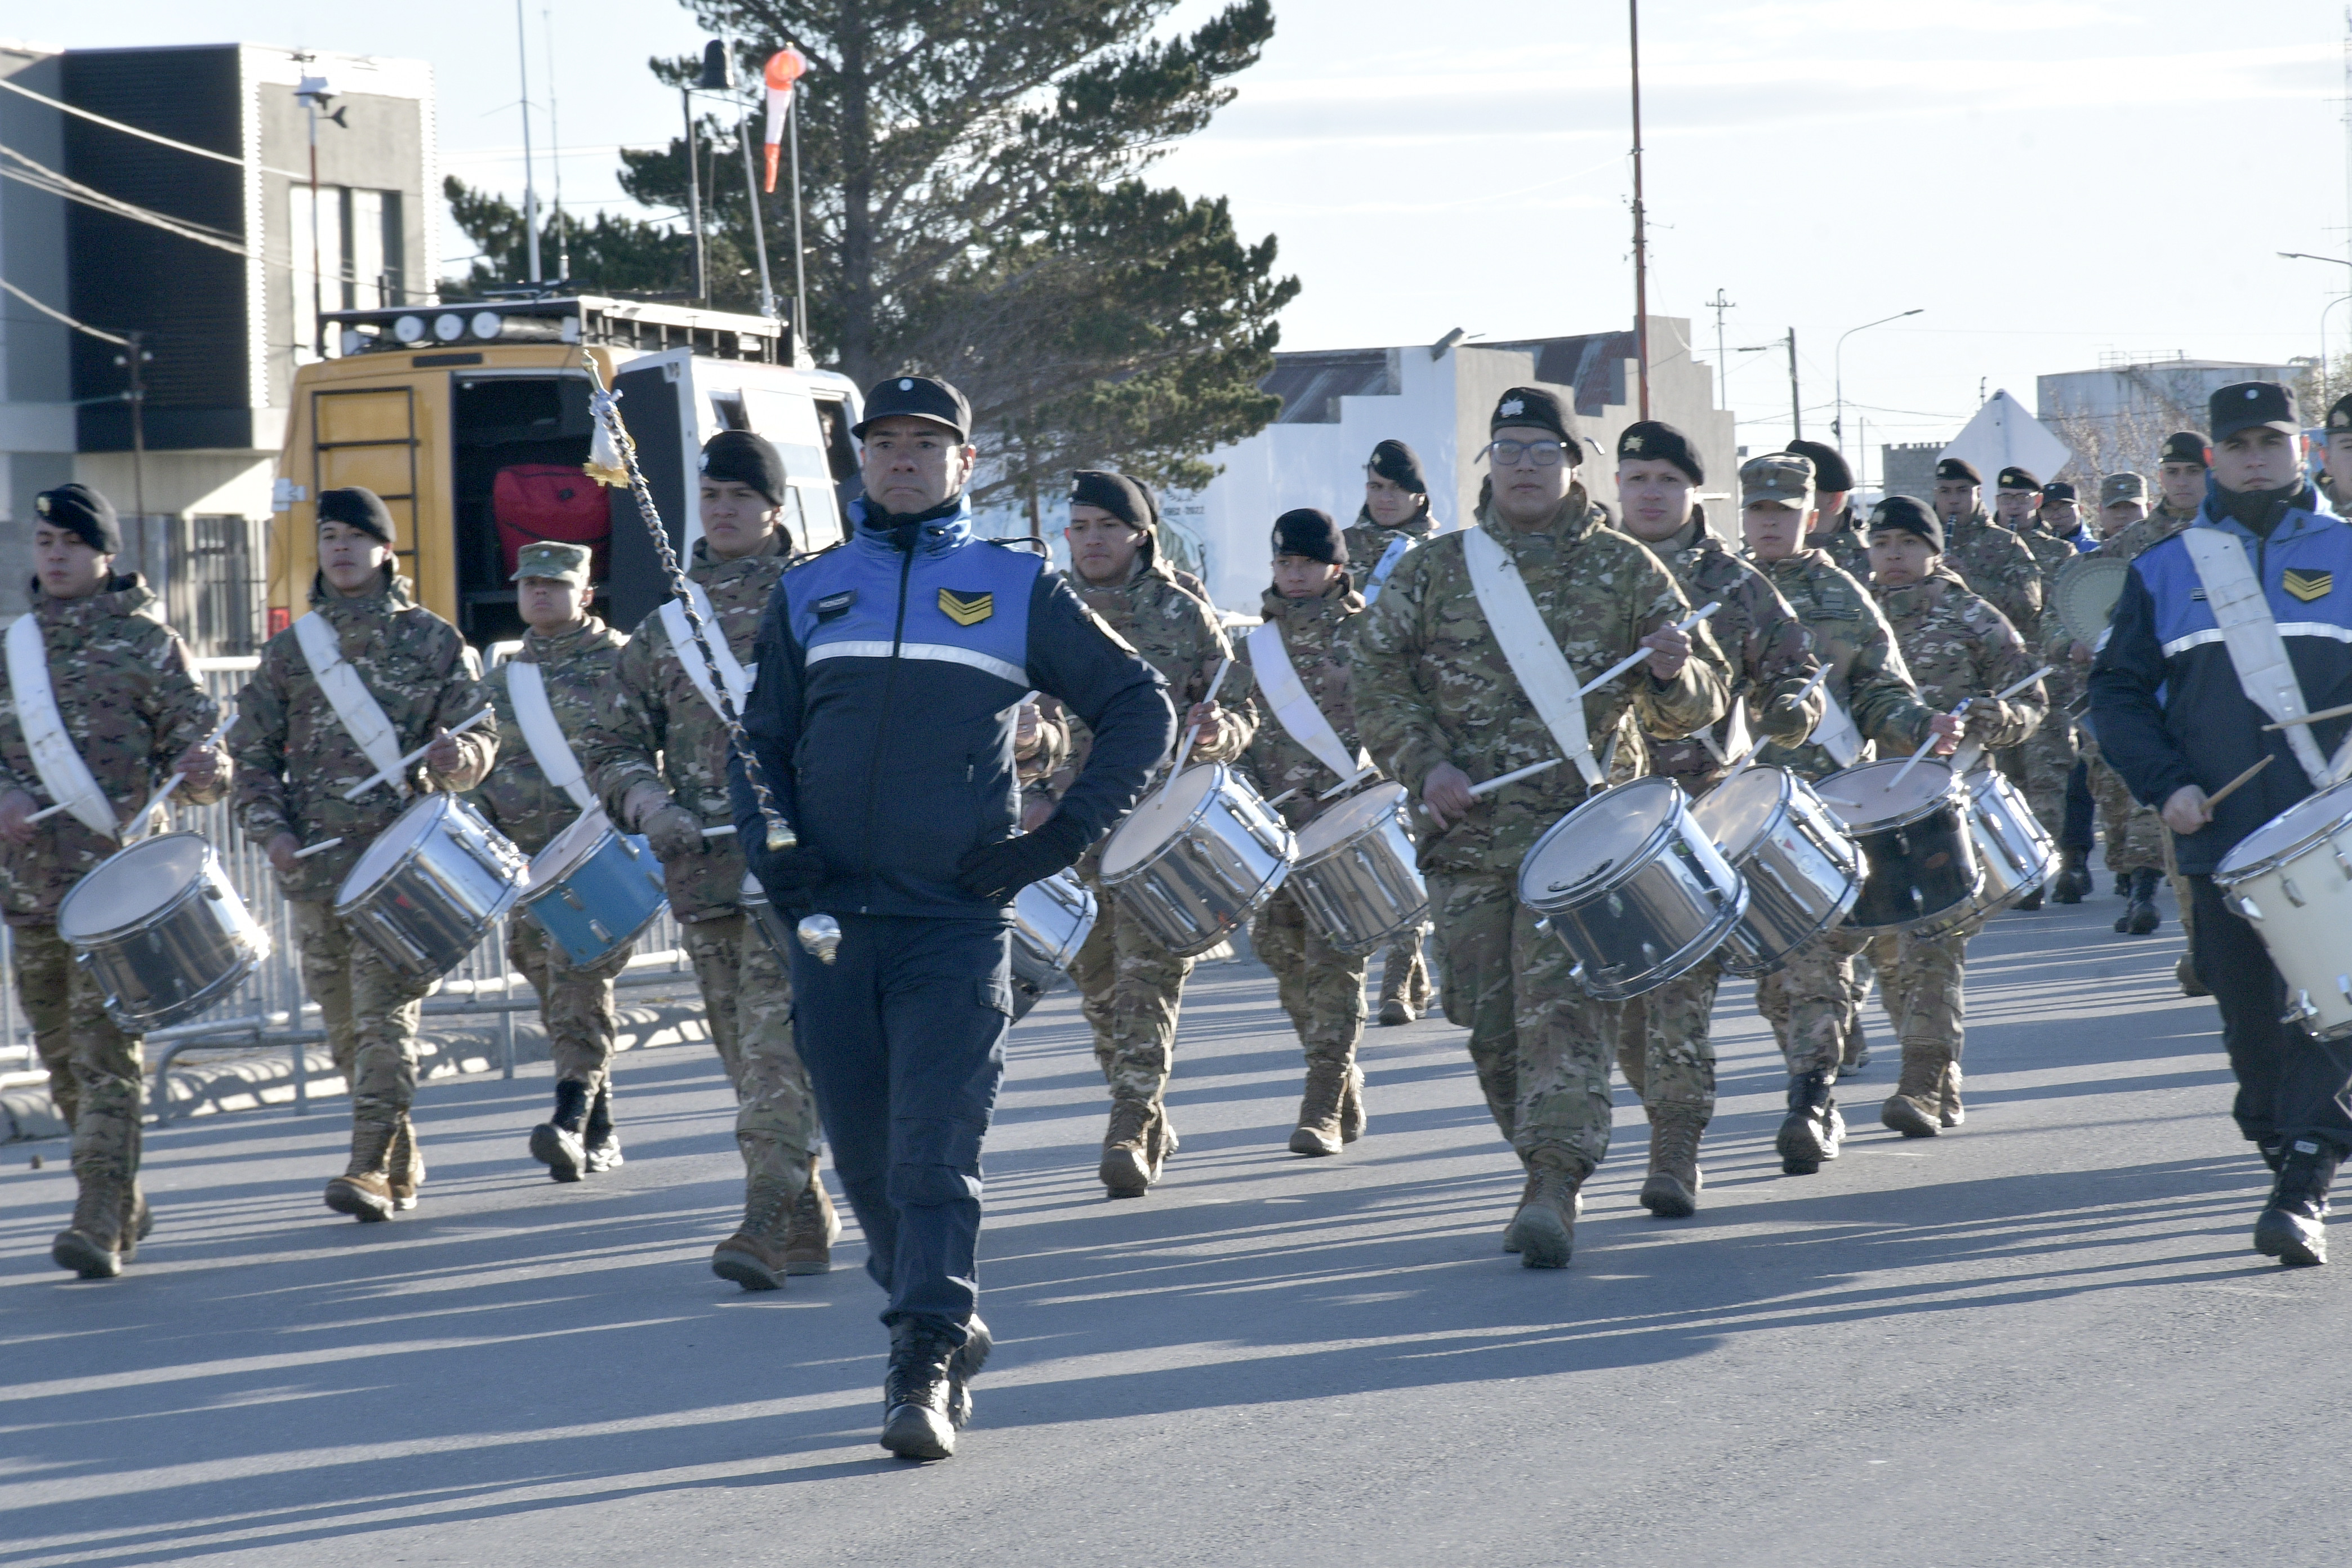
(2129, 404)
(1908, 469)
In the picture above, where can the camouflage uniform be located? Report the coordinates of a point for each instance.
(2143, 822)
(1433, 685)
(2000, 568)
(574, 1004)
(1046, 753)
(2051, 751)
(131, 707)
(1847, 547)
(652, 728)
(1404, 973)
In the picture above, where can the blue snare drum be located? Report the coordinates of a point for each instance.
(593, 889)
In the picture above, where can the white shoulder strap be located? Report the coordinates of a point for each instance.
(1293, 707)
(737, 677)
(63, 772)
(1835, 733)
(1542, 670)
(1387, 564)
(527, 685)
(2257, 652)
(361, 716)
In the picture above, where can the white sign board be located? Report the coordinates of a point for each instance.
(2004, 435)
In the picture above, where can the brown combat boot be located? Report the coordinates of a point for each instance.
(364, 1189)
(1915, 1109)
(754, 1256)
(1159, 1142)
(1422, 994)
(1545, 1227)
(1396, 991)
(405, 1170)
(1352, 1119)
(1319, 1109)
(1672, 1190)
(1127, 1168)
(92, 1245)
(812, 1230)
(1950, 1113)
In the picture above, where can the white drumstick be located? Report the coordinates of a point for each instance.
(1924, 747)
(43, 814)
(178, 778)
(725, 831)
(1631, 659)
(400, 767)
(1757, 745)
(321, 847)
(1192, 734)
(1530, 771)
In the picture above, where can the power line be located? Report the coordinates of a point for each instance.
(56, 315)
(190, 147)
(44, 178)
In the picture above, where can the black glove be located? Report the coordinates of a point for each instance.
(793, 873)
(997, 871)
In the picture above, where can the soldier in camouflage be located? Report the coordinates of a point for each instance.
(1439, 705)
(572, 651)
(1310, 607)
(1133, 987)
(295, 761)
(132, 711)
(1990, 560)
(1836, 532)
(2135, 833)
(2049, 754)
(657, 756)
(1665, 1048)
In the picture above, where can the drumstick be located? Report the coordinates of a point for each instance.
(1193, 733)
(400, 767)
(180, 777)
(1924, 747)
(1757, 745)
(2235, 784)
(1491, 786)
(718, 832)
(2319, 718)
(321, 847)
(1631, 659)
(43, 816)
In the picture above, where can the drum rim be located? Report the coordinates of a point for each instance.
(534, 890)
(594, 845)
(2229, 876)
(437, 806)
(1953, 798)
(1781, 810)
(1216, 787)
(211, 866)
(1397, 814)
(1623, 872)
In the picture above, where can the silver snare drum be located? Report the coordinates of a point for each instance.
(1803, 871)
(430, 886)
(1633, 887)
(2291, 880)
(1195, 860)
(2012, 847)
(1051, 920)
(1355, 877)
(161, 930)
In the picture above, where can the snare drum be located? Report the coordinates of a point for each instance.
(430, 886)
(2012, 849)
(1051, 920)
(2292, 879)
(161, 930)
(1197, 859)
(592, 889)
(1919, 861)
(1803, 873)
(1356, 876)
(1634, 887)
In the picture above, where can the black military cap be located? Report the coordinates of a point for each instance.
(2249, 404)
(2187, 446)
(2016, 478)
(1830, 472)
(919, 396)
(1657, 440)
(2058, 490)
(1909, 515)
(356, 507)
(2340, 414)
(1959, 469)
(1400, 465)
(83, 511)
(1311, 533)
(741, 458)
(1533, 407)
(1114, 493)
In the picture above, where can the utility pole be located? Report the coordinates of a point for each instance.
(1722, 365)
(701, 289)
(529, 187)
(555, 146)
(1641, 239)
(1796, 405)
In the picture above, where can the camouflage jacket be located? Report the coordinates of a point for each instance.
(2147, 532)
(1176, 634)
(1957, 645)
(652, 726)
(131, 705)
(1367, 542)
(295, 759)
(1046, 752)
(1867, 675)
(1770, 656)
(1997, 566)
(517, 797)
(1431, 685)
(1315, 632)
(1846, 545)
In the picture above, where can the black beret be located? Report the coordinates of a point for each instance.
(1533, 407)
(1830, 472)
(1114, 493)
(1911, 516)
(89, 516)
(1661, 442)
(1311, 533)
(2188, 447)
(1959, 469)
(2059, 490)
(357, 507)
(741, 458)
(2339, 414)
(1400, 465)
(921, 396)
(2015, 478)
(2251, 402)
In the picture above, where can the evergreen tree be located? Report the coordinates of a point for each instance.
(607, 254)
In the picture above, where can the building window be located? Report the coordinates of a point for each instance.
(357, 247)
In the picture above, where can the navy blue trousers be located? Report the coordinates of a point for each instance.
(2289, 1085)
(904, 1038)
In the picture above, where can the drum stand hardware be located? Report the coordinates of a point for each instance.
(402, 766)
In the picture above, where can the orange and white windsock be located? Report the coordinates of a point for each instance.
(786, 67)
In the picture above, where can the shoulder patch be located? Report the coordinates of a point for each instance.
(2308, 586)
(834, 605)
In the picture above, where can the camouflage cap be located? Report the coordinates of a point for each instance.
(1777, 478)
(550, 558)
(2116, 489)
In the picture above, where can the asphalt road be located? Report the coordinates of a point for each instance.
(2040, 1339)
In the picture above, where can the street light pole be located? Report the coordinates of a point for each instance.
(2307, 256)
(1837, 421)
(1641, 239)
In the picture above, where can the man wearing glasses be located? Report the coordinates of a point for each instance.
(1442, 668)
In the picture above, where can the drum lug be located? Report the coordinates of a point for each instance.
(2294, 894)
(2302, 1012)
(572, 898)
(2342, 864)
(598, 926)
(2248, 908)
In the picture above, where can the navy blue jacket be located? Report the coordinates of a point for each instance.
(883, 713)
(2166, 704)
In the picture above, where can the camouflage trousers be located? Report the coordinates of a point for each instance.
(1321, 989)
(1666, 1031)
(747, 1000)
(95, 1069)
(371, 1012)
(2050, 753)
(1812, 1002)
(575, 1004)
(1920, 983)
(1131, 990)
(1542, 1044)
(2135, 833)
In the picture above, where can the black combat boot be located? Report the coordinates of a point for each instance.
(1812, 1130)
(2031, 900)
(2073, 879)
(2123, 884)
(918, 1393)
(2139, 916)
(2293, 1229)
(602, 1146)
(555, 1142)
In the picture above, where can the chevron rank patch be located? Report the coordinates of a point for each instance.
(2309, 585)
(970, 609)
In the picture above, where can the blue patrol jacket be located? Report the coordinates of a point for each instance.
(890, 681)
(2166, 704)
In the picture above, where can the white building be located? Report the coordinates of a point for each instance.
(2165, 395)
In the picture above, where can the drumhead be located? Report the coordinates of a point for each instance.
(1738, 813)
(1348, 817)
(1862, 800)
(406, 831)
(2298, 826)
(1160, 817)
(569, 849)
(126, 887)
(1605, 833)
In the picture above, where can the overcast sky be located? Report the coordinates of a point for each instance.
(2052, 181)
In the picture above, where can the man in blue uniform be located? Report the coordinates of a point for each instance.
(2225, 631)
(892, 668)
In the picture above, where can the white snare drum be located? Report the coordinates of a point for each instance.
(161, 930)
(2012, 849)
(2292, 878)
(1195, 860)
(1051, 920)
(1355, 877)
(1634, 887)
(1803, 873)
(430, 886)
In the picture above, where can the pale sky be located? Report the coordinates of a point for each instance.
(2052, 180)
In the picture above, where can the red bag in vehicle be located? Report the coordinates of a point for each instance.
(536, 502)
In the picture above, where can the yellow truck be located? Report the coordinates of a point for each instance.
(471, 420)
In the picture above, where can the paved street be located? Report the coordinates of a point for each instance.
(2042, 1339)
